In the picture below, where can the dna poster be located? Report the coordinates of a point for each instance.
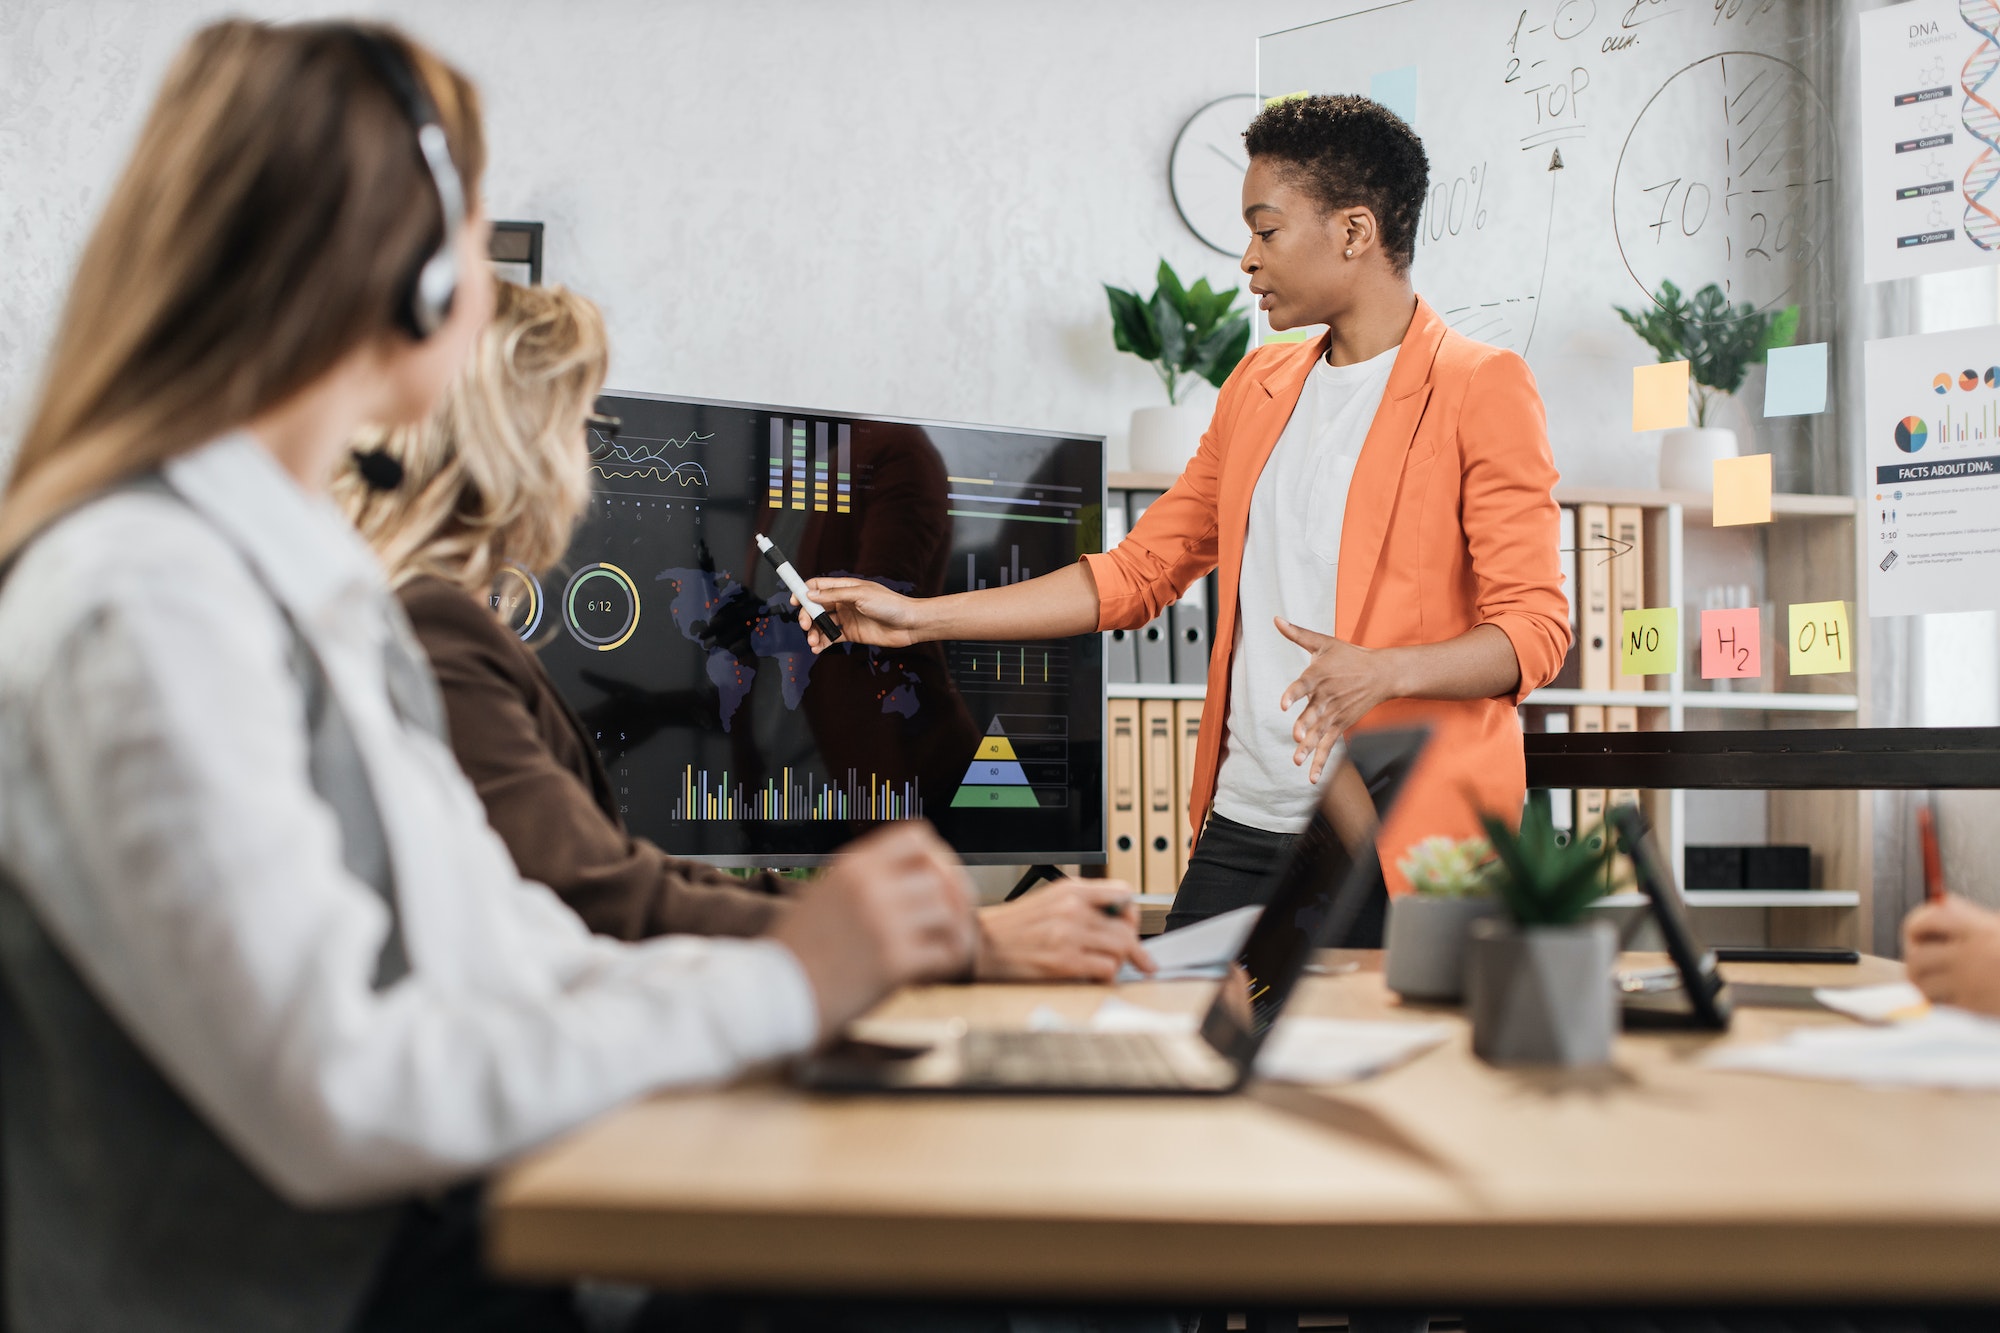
(1930, 152)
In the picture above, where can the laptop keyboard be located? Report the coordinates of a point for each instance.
(1003, 1059)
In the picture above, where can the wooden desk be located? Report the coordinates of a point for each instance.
(1444, 1180)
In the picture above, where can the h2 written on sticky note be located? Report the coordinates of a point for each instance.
(1660, 396)
(1649, 642)
(1820, 642)
(1795, 381)
(1397, 90)
(1732, 644)
(1742, 490)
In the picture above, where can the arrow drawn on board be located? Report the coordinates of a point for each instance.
(1616, 549)
(1555, 170)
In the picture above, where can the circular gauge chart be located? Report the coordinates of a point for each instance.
(1911, 434)
(601, 606)
(516, 597)
(1728, 176)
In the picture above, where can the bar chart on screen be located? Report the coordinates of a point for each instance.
(811, 465)
(796, 795)
(1033, 667)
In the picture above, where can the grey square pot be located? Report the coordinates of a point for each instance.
(1542, 996)
(1427, 938)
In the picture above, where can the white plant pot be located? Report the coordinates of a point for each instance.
(1688, 455)
(1165, 438)
(1543, 996)
(1426, 941)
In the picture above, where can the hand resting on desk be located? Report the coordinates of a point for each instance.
(1061, 932)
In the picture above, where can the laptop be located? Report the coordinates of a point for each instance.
(1316, 896)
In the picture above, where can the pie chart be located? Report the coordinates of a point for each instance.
(1911, 434)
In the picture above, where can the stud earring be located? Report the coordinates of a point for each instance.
(1350, 254)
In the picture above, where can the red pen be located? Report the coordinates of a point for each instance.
(1933, 863)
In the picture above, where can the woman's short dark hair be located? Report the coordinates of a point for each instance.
(1347, 151)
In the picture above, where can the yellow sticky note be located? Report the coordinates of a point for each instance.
(1660, 396)
(1742, 490)
(1649, 642)
(1820, 642)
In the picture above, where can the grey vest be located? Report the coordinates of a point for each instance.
(124, 1210)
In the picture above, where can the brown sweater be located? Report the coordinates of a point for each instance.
(546, 793)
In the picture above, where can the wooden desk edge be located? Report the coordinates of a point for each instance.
(1122, 1258)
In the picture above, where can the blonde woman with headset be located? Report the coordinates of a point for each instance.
(270, 981)
(499, 475)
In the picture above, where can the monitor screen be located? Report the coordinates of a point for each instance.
(723, 737)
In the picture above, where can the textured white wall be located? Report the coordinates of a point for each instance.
(899, 206)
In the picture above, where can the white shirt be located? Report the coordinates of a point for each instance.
(156, 811)
(1291, 552)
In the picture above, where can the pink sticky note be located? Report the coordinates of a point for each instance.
(1731, 643)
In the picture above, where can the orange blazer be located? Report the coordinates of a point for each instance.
(1450, 523)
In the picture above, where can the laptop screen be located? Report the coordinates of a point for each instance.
(1327, 880)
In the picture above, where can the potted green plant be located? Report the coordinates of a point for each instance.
(1539, 979)
(1452, 883)
(1187, 334)
(1719, 342)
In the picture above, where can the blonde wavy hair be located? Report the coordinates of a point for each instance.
(500, 473)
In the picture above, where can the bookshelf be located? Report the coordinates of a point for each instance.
(1806, 553)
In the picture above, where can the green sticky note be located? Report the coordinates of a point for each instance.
(1820, 642)
(1649, 642)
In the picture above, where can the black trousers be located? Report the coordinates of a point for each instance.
(1234, 865)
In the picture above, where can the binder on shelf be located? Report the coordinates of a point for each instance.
(1562, 801)
(1121, 655)
(1155, 643)
(1188, 618)
(1617, 719)
(1187, 726)
(1159, 783)
(1628, 584)
(1589, 801)
(1122, 830)
(1569, 674)
(1594, 578)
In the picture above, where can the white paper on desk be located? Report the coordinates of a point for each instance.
(1301, 1050)
(1947, 1048)
(1201, 950)
(1896, 1002)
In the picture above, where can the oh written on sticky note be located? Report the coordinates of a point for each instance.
(1660, 396)
(1742, 490)
(1732, 644)
(1820, 642)
(1649, 642)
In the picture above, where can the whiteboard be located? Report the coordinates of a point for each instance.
(1581, 152)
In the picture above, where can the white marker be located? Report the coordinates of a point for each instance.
(827, 624)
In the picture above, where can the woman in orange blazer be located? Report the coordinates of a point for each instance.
(1447, 605)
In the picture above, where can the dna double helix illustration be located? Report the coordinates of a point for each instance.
(1981, 121)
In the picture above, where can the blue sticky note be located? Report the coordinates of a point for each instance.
(1397, 90)
(1795, 381)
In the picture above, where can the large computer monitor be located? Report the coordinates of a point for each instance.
(723, 737)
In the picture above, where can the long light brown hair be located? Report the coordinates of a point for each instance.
(500, 472)
(268, 223)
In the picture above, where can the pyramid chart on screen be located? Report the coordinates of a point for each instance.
(994, 780)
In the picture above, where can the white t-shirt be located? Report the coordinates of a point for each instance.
(1290, 555)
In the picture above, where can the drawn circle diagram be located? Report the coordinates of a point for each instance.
(517, 599)
(601, 606)
(1727, 175)
(1911, 434)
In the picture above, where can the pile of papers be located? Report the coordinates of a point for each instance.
(1201, 950)
(1945, 1048)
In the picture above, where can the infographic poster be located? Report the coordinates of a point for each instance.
(1930, 150)
(1931, 496)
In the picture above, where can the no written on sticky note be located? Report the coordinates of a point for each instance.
(1820, 642)
(1732, 644)
(1660, 396)
(1742, 490)
(1649, 642)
